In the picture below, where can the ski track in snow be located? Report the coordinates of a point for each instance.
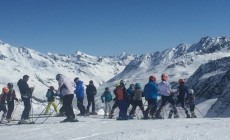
(110, 129)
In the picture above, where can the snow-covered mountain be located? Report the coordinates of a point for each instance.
(42, 68)
(211, 80)
(179, 62)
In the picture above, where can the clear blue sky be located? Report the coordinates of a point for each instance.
(109, 27)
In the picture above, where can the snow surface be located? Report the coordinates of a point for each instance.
(97, 127)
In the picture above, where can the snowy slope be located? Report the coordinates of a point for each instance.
(96, 127)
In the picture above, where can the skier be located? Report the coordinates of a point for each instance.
(80, 91)
(137, 100)
(182, 94)
(166, 95)
(11, 96)
(115, 105)
(122, 101)
(191, 102)
(129, 93)
(108, 98)
(65, 88)
(3, 97)
(91, 91)
(26, 94)
(151, 92)
(51, 100)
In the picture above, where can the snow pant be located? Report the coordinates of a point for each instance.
(165, 99)
(80, 105)
(192, 108)
(107, 107)
(3, 108)
(130, 102)
(67, 105)
(54, 106)
(152, 107)
(182, 102)
(135, 104)
(122, 104)
(10, 106)
(91, 101)
(27, 108)
(115, 105)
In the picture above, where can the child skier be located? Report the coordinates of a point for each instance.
(122, 101)
(182, 93)
(191, 102)
(3, 97)
(51, 100)
(11, 96)
(151, 92)
(137, 100)
(108, 98)
(80, 91)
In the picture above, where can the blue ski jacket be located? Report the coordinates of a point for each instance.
(80, 90)
(151, 90)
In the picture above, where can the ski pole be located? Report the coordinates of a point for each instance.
(32, 114)
(40, 114)
(14, 110)
(181, 112)
(199, 112)
(50, 114)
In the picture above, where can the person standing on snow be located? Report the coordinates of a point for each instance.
(80, 91)
(121, 96)
(3, 97)
(11, 96)
(166, 96)
(182, 94)
(191, 101)
(106, 98)
(137, 100)
(91, 91)
(26, 95)
(130, 92)
(65, 88)
(151, 92)
(51, 100)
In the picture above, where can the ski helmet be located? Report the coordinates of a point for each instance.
(25, 77)
(91, 82)
(191, 91)
(76, 79)
(123, 82)
(58, 76)
(181, 81)
(138, 86)
(51, 87)
(5, 90)
(10, 85)
(152, 78)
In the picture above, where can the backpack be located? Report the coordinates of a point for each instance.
(48, 94)
(120, 93)
(137, 94)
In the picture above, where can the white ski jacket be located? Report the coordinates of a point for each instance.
(65, 86)
(165, 88)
